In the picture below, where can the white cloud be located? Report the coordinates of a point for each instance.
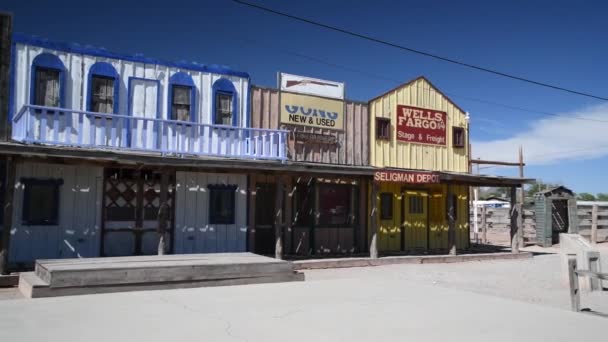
(553, 139)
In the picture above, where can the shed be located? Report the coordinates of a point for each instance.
(555, 211)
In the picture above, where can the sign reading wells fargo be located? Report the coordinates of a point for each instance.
(420, 125)
(311, 111)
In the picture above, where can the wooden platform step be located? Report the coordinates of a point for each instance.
(62, 277)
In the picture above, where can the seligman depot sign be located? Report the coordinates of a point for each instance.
(312, 111)
(406, 177)
(420, 125)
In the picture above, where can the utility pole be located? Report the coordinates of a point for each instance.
(522, 196)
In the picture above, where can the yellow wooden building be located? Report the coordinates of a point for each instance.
(418, 138)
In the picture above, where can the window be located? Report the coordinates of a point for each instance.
(386, 206)
(181, 103)
(102, 99)
(47, 87)
(40, 202)
(383, 129)
(458, 137)
(455, 205)
(223, 109)
(416, 204)
(335, 204)
(221, 204)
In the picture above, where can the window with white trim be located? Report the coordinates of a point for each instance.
(102, 99)
(181, 103)
(223, 109)
(47, 87)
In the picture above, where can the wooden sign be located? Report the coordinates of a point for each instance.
(315, 138)
(311, 86)
(311, 111)
(419, 125)
(406, 177)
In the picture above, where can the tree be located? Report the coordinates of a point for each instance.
(602, 196)
(540, 186)
(585, 196)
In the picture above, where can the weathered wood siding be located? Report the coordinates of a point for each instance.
(78, 231)
(5, 59)
(352, 146)
(77, 90)
(193, 233)
(393, 153)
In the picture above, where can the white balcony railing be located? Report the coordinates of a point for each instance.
(68, 127)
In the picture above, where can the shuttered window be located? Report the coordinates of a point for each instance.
(47, 87)
(181, 103)
(223, 109)
(458, 137)
(383, 129)
(102, 100)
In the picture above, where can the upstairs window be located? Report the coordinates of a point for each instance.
(383, 128)
(102, 99)
(223, 109)
(181, 105)
(458, 139)
(47, 87)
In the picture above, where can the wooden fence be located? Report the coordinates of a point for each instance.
(590, 214)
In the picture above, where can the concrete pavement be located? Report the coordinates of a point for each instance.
(365, 309)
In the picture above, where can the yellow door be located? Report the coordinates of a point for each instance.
(415, 219)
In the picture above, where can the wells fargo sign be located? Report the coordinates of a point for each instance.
(406, 177)
(311, 111)
(419, 125)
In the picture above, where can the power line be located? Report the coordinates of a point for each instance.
(420, 52)
(386, 78)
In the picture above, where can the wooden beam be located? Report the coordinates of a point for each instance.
(278, 218)
(515, 210)
(484, 227)
(495, 162)
(575, 299)
(373, 243)
(451, 221)
(163, 212)
(594, 224)
(9, 192)
(522, 199)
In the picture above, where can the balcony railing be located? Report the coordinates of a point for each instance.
(68, 127)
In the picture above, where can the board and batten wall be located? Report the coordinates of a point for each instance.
(193, 233)
(78, 230)
(77, 67)
(352, 146)
(393, 153)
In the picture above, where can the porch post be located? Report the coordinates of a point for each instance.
(515, 221)
(451, 222)
(163, 211)
(278, 219)
(373, 244)
(9, 191)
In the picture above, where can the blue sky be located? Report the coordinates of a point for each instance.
(558, 42)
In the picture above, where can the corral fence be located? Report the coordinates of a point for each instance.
(498, 220)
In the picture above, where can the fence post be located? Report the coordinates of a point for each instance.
(594, 224)
(484, 226)
(575, 299)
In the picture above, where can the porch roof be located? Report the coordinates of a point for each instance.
(483, 180)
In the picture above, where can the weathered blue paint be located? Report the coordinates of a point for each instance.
(48, 61)
(185, 80)
(106, 70)
(224, 86)
(102, 52)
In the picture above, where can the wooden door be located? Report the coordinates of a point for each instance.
(143, 103)
(559, 219)
(264, 218)
(415, 219)
(131, 206)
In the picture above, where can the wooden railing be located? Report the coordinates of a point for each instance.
(69, 127)
(575, 295)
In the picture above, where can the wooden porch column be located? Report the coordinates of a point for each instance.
(163, 211)
(515, 221)
(451, 222)
(484, 227)
(9, 191)
(278, 219)
(373, 242)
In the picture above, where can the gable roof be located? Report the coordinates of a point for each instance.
(411, 82)
(559, 189)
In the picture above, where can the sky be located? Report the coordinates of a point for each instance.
(558, 42)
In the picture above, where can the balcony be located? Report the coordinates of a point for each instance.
(76, 128)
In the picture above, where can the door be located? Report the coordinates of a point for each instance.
(131, 206)
(415, 219)
(264, 218)
(559, 219)
(143, 103)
